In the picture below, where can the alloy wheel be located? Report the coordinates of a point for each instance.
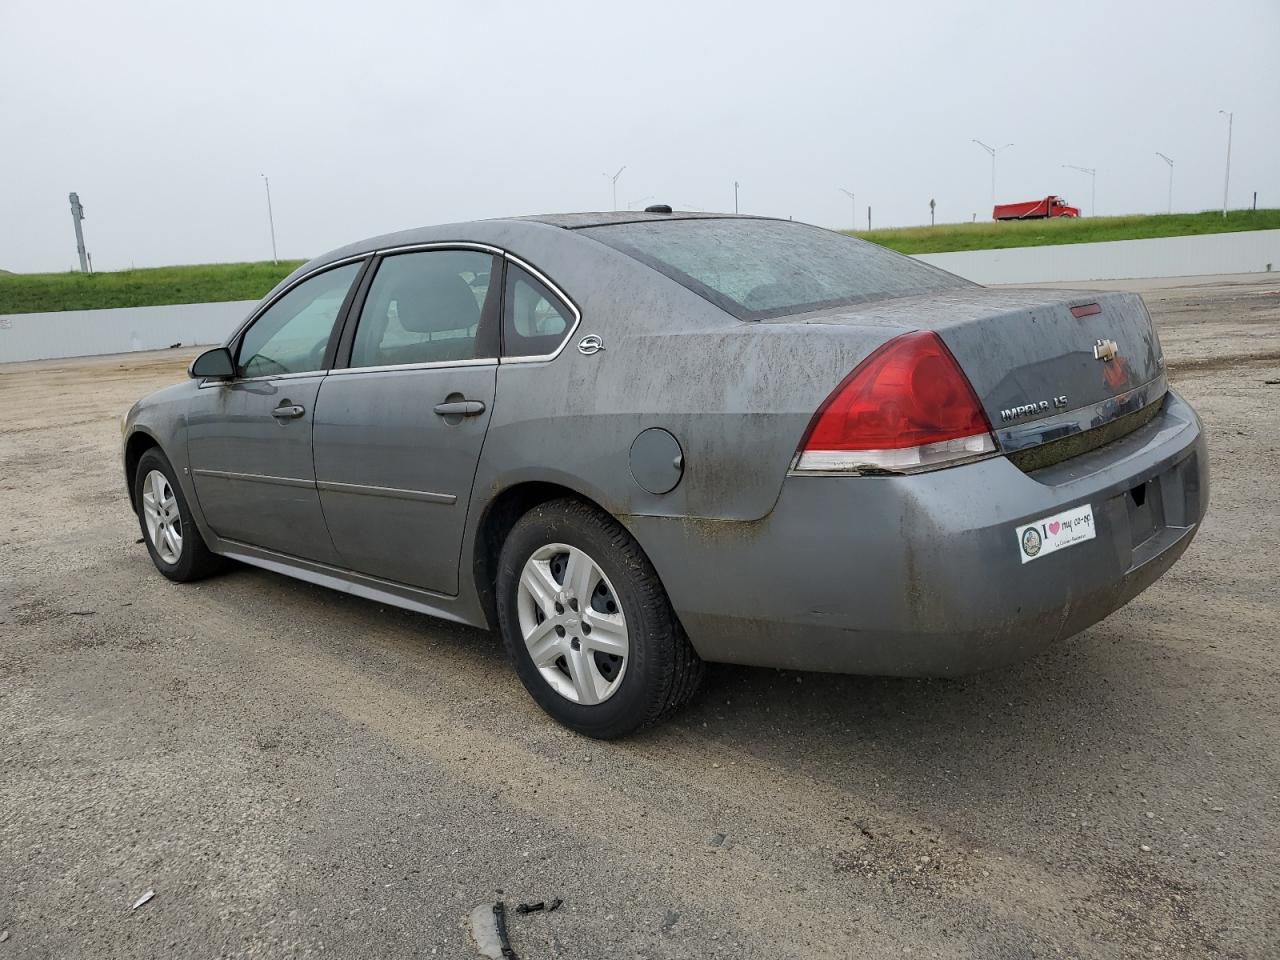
(163, 519)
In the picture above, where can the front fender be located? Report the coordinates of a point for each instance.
(160, 419)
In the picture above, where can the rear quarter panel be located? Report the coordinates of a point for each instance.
(737, 396)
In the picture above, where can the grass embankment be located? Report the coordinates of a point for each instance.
(946, 237)
(208, 283)
(200, 283)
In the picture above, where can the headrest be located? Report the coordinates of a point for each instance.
(435, 301)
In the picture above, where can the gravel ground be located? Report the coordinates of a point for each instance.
(295, 772)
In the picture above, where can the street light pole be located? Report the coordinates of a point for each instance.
(614, 178)
(735, 196)
(993, 151)
(853, 205)
(1170, 163)
(271, 218)
(1093, 185)
(1226, 181)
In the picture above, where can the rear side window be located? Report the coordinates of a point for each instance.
(757, 269)
(424, 307)
(534, 320)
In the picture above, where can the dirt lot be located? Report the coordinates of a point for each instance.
(296, 772)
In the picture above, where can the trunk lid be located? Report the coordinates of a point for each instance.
(1045, 364)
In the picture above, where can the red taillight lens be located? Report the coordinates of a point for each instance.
(906, 407)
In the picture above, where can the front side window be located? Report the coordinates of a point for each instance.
(293, 334)
(534, 320)
(425, 307)
(757, 269)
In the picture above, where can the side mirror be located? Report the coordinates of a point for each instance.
(215, 364)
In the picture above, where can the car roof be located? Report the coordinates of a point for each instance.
(500, 229)
(577, 221)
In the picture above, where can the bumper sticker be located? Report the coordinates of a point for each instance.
(1053, 533)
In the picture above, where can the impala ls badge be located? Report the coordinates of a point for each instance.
(590, 344)
(1104, 350)
(1032, 409)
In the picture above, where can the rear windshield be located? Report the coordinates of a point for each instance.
(757, 269)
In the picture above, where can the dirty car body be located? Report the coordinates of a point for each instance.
(679, 384)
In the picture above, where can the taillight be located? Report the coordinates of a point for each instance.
(908, 407)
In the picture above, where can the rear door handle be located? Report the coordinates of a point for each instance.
(288, 411)
(459, 408)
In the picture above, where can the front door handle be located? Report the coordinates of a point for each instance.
(288, 411)
(459, 408)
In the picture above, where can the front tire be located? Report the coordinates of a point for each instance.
(588, 624)
(171, 535)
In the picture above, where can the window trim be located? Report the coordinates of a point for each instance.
(338, 357)
(236, 340)
(555, 291)
(341, 361)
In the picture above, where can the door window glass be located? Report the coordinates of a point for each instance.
(424, 307)
(293, 335)
(535, 320)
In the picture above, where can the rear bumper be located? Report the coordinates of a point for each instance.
(922, 575)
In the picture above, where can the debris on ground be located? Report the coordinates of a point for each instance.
(555, 904)
(531, 907)
(142, 899)
(4, 935)
(500, 919)
(488, 924)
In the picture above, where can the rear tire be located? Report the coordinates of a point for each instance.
(575, 589)
(171, 535)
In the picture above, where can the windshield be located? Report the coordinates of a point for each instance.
(757, 269)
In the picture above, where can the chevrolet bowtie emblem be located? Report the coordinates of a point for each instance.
(1104, 350)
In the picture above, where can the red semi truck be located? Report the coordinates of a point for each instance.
(1050, 206)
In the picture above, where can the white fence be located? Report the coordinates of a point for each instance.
(79, 333)
(83, 333)
(1250, 251)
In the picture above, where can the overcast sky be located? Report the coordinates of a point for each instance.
(375, 116)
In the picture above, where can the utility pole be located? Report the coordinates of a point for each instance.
(735, 196)
(932, 205)
(868, 218)
(993, 151)
(1226, 181)
(271, 219)
(853, 204)
(1093, 185)
(614, 178)
(77, 214)
(1170, 163)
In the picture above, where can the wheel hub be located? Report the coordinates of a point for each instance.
(161, 516)
(579, 649)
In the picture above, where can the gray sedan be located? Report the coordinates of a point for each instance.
(634, 443)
